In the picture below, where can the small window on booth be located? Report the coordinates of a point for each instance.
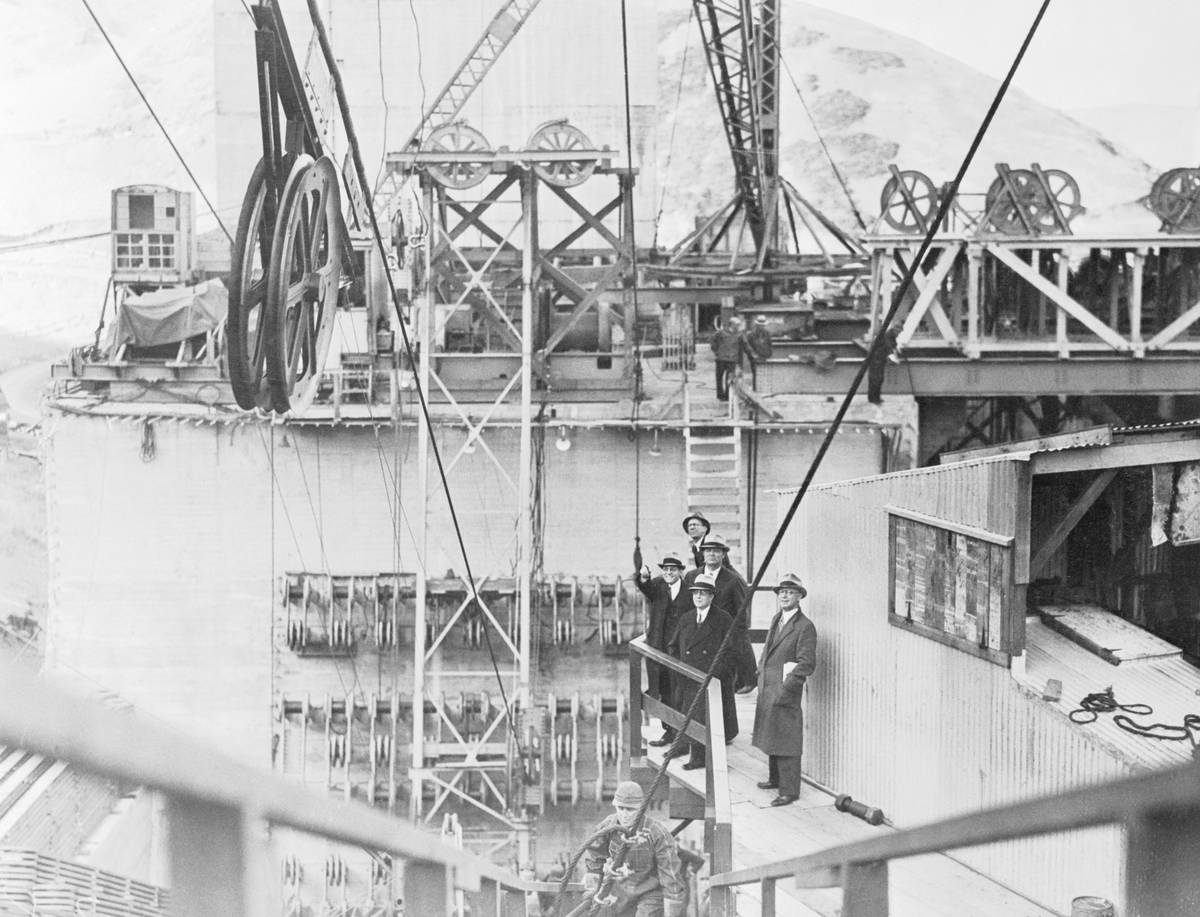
(141, 211)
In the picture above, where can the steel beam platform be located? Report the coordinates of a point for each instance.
(959, 377)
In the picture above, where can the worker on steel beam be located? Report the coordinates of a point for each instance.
(789, 657)
(644, 864)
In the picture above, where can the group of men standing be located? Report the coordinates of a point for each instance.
(733, 339)
(690, 613)
(689, 616)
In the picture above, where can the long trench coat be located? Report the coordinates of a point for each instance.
(778, 719)
(697, 646)
(660, 628)
(730, 595)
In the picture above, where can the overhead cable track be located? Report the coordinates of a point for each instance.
(875, 351)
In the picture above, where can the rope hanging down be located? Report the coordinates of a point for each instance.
(361, 174)
(637, 344)
(591, 906)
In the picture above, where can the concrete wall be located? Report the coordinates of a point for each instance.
(566, 62)
(924, 730)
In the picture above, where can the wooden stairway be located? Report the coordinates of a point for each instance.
(715, 480)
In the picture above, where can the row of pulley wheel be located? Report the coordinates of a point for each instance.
(285, 278)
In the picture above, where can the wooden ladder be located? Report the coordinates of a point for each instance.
(714, 480)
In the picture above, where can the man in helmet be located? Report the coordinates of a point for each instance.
(789, 657)
(643, 864)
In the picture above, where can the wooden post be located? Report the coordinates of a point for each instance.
(1135, 303)
(768, 897)
(486, 901)
(1162, 849)
(974, 261)
(1060, 316)
(635, 703)
(865, 889)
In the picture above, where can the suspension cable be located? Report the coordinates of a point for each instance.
(858, 217)
(677, 745)
(361, 174)
(662, 199)
(161, 126)
(637, 344)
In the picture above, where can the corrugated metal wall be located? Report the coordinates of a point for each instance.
(919, 728)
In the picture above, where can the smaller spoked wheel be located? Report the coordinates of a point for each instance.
(561, 137)
(909, 204)
(1064, 191)
(1175, 198)
(247, 289)
(1019, 211)
(302, 283)
(462, 142)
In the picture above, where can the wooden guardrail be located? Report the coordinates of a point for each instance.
(218, 811)
(1161, 812)
(718, 813)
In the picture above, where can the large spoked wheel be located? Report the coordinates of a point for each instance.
(562, 137)
(911, 212)
(1010, 211)
(302, 284)
(1175, 198)
(247, 291)
(462, 141)
(1064, 191)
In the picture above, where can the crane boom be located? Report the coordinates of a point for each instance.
(500, 31)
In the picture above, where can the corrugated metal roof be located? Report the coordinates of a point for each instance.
(1171, 686)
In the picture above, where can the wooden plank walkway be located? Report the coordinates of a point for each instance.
(927, 886)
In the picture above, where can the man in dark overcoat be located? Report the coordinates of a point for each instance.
(731, 593)
(789, 657)
(667, 599)
(697, 639)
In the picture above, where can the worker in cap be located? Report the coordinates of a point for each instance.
(731, 596)
(634, 868)
(701, 630)
(666, 600)
(757, 344)
(789, 657)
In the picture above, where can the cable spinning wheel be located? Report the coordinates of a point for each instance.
(1175, 199)
(1031, 201)
(461, 141)
(561, 137)
(908, 201)
(247, 290)
(302, 283)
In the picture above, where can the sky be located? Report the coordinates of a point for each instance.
(1086, 54)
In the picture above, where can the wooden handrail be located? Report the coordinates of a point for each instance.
(46, 719)
(1119, 801)
(718, 809)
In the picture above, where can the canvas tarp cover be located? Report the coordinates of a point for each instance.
(171, 315)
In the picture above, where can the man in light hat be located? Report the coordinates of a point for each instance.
(697, 639)
(758, 345)
(789, 657)
(696, 527)
(667, 600)
(649, 880)
(731, 594)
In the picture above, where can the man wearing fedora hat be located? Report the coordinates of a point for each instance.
(730, 595)
(696, 527)
(666, 599)
(758, 345)
(649, 880)
(701, 630)
(789, 657)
